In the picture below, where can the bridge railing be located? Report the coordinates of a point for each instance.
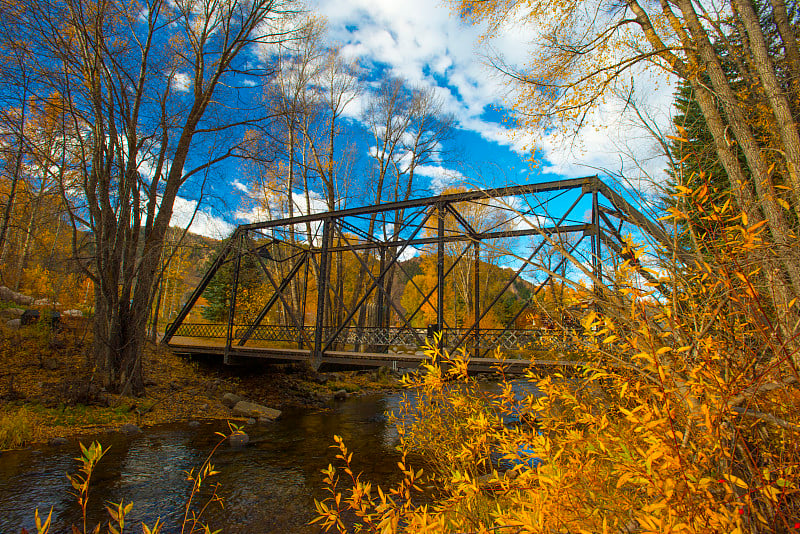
(488, 338)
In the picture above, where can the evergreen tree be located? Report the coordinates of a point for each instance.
(218, 292)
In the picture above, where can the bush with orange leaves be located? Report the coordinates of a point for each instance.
(689, 423)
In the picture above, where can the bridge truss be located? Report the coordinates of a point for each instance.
(350, 263)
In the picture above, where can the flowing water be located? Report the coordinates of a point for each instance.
(269, 486)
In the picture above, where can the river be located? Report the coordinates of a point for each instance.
(269, 486)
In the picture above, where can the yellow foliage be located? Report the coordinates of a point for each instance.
(688, 421)
(17, 429)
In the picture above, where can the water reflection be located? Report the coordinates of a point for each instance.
(268, 486)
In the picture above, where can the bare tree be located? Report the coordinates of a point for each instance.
(145, 85)
(409, 129)
(17, 78)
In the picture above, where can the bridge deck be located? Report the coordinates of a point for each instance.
(354, 359)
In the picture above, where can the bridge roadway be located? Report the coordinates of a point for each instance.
(338, 359)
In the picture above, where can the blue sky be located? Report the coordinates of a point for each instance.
(425, 43)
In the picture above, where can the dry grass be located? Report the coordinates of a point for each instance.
(17, 429)
(48, 379)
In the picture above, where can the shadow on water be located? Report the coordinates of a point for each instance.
(268, 486)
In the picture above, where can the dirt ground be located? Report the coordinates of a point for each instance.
(50, 376)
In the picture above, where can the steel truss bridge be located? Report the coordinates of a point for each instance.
(523, 235)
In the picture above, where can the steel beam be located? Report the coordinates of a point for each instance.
(232, 310)
(219, 261)
(476, 298)
(322, 289)
(516, 190)
(375, 283)
(460, 238)
(277, 295)
(440, 211)
(507, 327)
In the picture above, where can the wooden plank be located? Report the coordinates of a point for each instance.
(363, 359)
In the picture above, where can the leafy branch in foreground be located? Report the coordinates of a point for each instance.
(687, 419)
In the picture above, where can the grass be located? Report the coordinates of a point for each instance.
(17, 428)
(81, 415)
(347, 386)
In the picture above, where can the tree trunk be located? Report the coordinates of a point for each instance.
(14, 181)
(787, 128)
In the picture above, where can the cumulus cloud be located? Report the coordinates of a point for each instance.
(240, 186)
(426, 44)
(181, 82)
(441, 177)
(257, 212)
(204, 222)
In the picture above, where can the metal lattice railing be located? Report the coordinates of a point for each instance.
(269, 333)
(541, 339)
(202, 330)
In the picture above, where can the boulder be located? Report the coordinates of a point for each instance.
(5, 293)
(256, 411)
(322, 397)
(130, 429)
(340, 394)
(56, 442)
(30, 317)
(51, 364)
(231, 399)
(238, 439)
(72, 313)
(320, 378)
(12, 312)
(46, 303)
(14, 323)
(13, 296)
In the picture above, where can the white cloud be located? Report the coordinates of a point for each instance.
(181, 82)
(417, 39)
(302, 206)
(407, 254)
(428, 45)
(204, 223)
(441, 177)
(615, 139)
(240, 186)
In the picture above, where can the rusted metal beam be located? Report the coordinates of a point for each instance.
(515, 190)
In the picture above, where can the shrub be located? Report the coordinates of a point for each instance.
(347, 386)
(687, 421)
(17, 429)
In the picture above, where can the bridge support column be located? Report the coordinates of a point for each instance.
(381, 311)
(226, 358)
(322, 292)
(476, 299)
(440, 208)
(597, 267)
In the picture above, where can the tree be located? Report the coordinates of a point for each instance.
(581, 58)
(280, 184)
(15, 73)
(144, 86)
(218, 293)
(409, 128)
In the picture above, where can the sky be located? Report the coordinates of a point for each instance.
(425, 43)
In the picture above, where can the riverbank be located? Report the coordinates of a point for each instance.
(49, 391)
